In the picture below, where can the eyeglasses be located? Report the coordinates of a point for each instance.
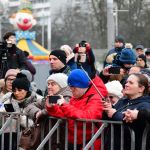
(111, 97)
(10, 80)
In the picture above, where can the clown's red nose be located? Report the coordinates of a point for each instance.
(25, 21)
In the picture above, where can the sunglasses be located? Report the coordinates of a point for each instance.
(111, 97)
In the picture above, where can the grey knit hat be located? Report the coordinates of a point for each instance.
(59, 78)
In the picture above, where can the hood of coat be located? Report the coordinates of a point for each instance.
(100, 86)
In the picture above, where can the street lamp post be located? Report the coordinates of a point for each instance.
(116, 17)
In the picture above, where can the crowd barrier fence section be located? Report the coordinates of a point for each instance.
(55, 127)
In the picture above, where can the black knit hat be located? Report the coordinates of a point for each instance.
(61, 55)
(119, 38)
(21, 82)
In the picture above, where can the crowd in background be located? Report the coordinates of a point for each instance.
(75, 89)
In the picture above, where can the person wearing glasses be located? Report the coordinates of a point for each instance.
(10, 76)
(114, 89)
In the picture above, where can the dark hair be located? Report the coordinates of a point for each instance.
(82, 44)
(142, 81)
(8, 34)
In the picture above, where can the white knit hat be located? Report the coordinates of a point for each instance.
(67, 50)
(115, 88)
(59, 78)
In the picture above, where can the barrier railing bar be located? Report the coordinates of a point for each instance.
(122, 137)
(75, 135)
(144, 137)
(6, 124)
(99, 131)
(49, 135)
(112, 137)
(84, 133)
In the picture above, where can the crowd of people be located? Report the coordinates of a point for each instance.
(76, 90)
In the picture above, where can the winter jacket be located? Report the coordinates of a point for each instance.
(15, 59)
(81, 108)
(138, 126)
(33, 108)
(21, 106)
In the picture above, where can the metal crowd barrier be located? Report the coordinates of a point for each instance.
(56, 128)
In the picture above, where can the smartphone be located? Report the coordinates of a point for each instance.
(53, 99)
(114, 70)
(80, 58)
(9, 107)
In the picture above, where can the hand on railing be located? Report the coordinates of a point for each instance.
(130, 115)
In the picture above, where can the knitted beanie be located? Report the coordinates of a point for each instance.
(11, 72)
(139, 47)
(115, 88)
(68, 50)
(21, 82)
(59, 78)
(143, 57)
(127, 56)
(61, 55)
(27, 73)
(78, 78)
(119, 38)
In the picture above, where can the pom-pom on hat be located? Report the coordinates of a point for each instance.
(59, 78)
(115, 88)
(127, 56)
(78, 78)
(21, 82)
(61, 55)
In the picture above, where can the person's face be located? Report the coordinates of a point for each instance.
(118, 44)
(52, 87)
(55, 63)
(19, 94)
(132, 88)
(112, 98)
(77, 92)
(82, 50)
(148, 56)
(11, 39)
(9, 81)
(127, 65)
(140, 62)
(139, 51)
(134, 70)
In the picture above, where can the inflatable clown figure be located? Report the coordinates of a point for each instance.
(23, 20)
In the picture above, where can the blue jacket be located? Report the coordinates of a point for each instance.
(138, 126)
(139, 103)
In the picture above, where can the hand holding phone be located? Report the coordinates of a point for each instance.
(53, 99)
(9, 107)
(114, 70)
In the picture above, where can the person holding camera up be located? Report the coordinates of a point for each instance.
(11, 57)
(84, 57)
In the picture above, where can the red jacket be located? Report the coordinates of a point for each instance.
(81, 109)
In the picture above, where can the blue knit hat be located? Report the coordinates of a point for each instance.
(78, 78)
(127, 56)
